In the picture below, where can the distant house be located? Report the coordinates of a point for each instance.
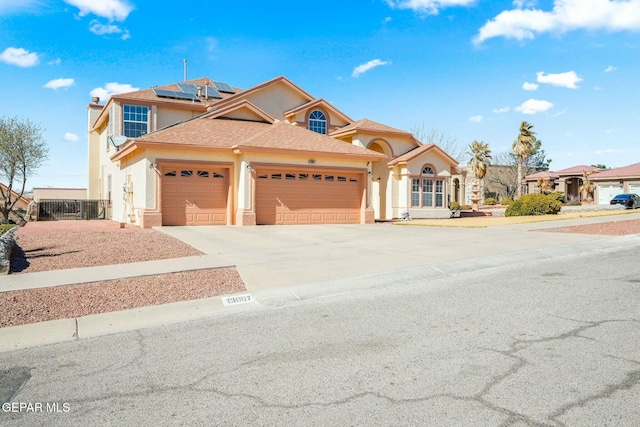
(202, 152)
(609, 183)
(567, 181)
(22, 205)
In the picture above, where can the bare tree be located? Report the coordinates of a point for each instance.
(450, 144)
(22, 151)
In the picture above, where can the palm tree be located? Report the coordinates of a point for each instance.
(480, 159)
(522, 147)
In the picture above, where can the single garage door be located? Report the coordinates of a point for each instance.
(634, 189)
(608, 192)
(194, 196)
(308, 197)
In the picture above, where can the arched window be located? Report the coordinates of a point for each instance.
(318, 122)
(428, 170)
(426, 190)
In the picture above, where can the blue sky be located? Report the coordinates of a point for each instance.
(471, 69)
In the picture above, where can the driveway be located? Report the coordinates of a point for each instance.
(269, 257)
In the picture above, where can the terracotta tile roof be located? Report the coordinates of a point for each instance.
(629, 171)
(542, 174)
(239, 134)
(368, 125)
(577, 170)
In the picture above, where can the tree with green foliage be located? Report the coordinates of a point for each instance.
(522, 147)
(22, 151)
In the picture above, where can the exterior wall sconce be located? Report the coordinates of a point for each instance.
(249, 167)
(312, 161)
(152, 165)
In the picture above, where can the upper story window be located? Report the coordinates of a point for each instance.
(136, 118)
(428, 170)
(318, 122)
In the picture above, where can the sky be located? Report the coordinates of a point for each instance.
(467, 69)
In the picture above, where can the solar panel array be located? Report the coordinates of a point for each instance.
(223, 87)
(190, 91)
(175, 95)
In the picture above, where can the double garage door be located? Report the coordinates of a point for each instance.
(307, 197)
(194, 195)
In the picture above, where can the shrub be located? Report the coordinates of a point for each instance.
(559, 196)
(454, 206)
(506, 201)
(534, 204)
(5, 227)
(490, 201)
(466, 207)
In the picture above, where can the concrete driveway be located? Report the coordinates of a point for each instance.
(270, 257)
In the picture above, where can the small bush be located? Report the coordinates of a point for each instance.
(506, 201)
(559, 196)
(466, 207)
(454, 206)
(5, 227)
(534, 204)
(490, 201)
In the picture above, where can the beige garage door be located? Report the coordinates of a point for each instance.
(301, 197)
(194, 196)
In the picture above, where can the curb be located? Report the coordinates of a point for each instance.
(64, 330)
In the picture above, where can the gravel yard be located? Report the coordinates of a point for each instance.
(614, 228)
(54, 245)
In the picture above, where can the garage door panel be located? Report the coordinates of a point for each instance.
(199, 198)
(287, 197)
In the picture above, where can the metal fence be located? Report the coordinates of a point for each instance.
(53, 210)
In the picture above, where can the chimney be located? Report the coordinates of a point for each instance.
(199, 91)
(95, 99)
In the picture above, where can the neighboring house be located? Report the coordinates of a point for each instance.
(22, 205)
(611, 182)
(567, 181)
(202, 152)
(47, 193)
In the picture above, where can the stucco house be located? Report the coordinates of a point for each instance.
(611, 182)
(202, 152)
(568, 180)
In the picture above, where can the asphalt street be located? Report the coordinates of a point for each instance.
(547, 343)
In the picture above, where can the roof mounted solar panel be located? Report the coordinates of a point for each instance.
(223, 87)
(175, 95)
(188, 88)
(211, 92)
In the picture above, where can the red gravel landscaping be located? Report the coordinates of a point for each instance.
(55, 245)
(615, 228)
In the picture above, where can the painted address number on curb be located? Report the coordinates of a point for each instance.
(237, 299)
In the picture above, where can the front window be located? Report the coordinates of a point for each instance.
(135, 121)
(318, 122)
(426, 190)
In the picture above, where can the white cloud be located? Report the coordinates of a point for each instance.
(112, 88)
(529, 86)
(609, 69)
(475, 119)
(56, 61)
(523, 3)
(566, 15)
(427, 6)
(19, 57)
(59, 83)
(533, 106)
(386, 20)
(113, 10)
(609, 151)
(501, 110)
(71, 137)
(363, 68)
(11, 6)
(568, 79)
(100, 29)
